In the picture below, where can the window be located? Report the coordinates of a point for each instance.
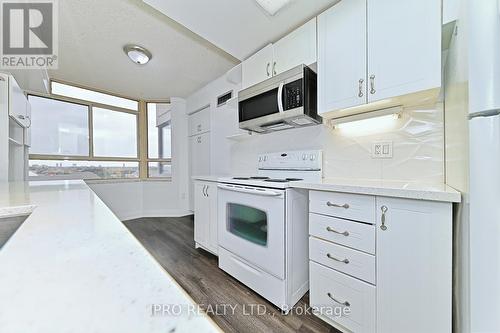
(59, 128)
(115, 133)
(66, 90)
(159, 140)
(63, 169)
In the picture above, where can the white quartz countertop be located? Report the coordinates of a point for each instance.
(399, 189)
(72, 266)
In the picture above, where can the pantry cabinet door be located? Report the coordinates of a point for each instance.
(258, 67)
(296, 48)
(414, 266)
(404, 47)
(342, 56)
(201, 214)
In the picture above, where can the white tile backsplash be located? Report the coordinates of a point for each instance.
(418, 148)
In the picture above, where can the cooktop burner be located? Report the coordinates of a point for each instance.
(294, 179)
(276, 180)
(259, 178)
(241, 178)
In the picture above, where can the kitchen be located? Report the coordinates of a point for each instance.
(327, 174)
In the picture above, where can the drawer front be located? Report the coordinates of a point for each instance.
(349, 261)
(331, 292)
(348, 206)
(356, 235)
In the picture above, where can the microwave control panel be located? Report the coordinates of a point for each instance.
(293, 95)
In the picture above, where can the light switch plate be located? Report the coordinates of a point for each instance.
(382, 149)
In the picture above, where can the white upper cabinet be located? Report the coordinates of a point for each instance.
(298, 47)
(342, 56)
(18, 104)
(374, 50)
(257, 68)
(404, 47)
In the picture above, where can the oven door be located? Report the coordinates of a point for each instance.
(252, 225)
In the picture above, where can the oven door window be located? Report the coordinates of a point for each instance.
(248, 223)
(258, 106)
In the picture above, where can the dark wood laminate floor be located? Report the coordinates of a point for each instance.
(171, 242)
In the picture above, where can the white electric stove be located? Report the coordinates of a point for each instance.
(263, 226)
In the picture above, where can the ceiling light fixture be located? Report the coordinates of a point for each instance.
(137, 54)
(273, 6)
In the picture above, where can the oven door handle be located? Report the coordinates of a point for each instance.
(280, 97)
(263, 192)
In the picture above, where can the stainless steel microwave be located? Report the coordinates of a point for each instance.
(287, 100)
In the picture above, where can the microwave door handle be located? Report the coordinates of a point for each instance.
(267, 193)
(280, 97)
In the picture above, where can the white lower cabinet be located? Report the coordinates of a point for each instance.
(405, 285)
(205, 215)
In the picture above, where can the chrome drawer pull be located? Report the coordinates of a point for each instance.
(330, 204)
(345, 261)
(346, 303)
(345, 233)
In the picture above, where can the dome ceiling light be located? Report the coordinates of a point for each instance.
(137, 54)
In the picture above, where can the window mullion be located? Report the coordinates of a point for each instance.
(91, 132)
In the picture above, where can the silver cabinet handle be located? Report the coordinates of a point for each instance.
(203, 190)
(345, 261)
(274, 68)
(331, 204)
(346, 303)
(267, 69)
(372, 84)
(330, 229)
(206, 190)
(384, 210)
(360, 87)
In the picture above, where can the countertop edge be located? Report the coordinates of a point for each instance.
(452, 196)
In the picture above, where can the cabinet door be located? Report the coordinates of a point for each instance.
(27, 130)
(342, 56)
(201, 214)
(404, 47)
(17, 103)
(257, 68)
(211, 192)
(414, 266)
(200, 154)
(296, 48)
(199, 122)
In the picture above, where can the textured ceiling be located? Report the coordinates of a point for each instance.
(239, 27)
(93, 32)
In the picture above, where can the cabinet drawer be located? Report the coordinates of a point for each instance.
(332, 292)
(199, 122)
(349, 261)
(359, 236)
(349, 206)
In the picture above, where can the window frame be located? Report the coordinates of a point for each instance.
(146, 131)
(141, 133)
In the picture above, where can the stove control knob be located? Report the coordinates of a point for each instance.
(265, 158)
(260, 158)
(312, 157)
(304, 157)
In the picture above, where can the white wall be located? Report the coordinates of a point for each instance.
(418, 148)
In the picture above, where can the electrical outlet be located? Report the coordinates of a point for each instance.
(382, 149)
